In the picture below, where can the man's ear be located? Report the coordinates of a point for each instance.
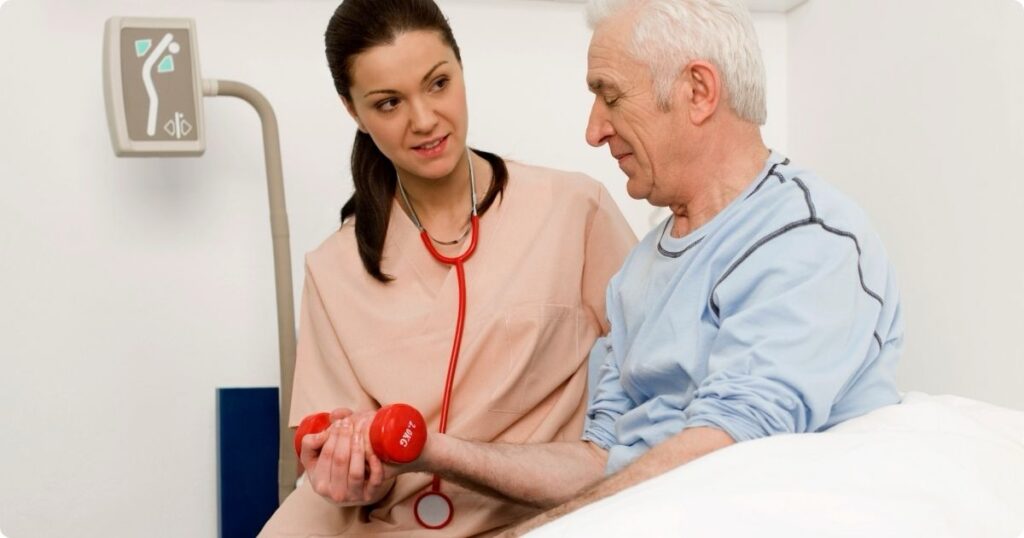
(705, 90)
(352, 112)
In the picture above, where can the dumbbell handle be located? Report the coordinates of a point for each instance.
(397, 433)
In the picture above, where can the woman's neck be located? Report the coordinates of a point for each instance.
(443, 205)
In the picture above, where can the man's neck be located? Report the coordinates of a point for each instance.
(720, 174)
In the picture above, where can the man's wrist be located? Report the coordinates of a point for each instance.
(432, 458)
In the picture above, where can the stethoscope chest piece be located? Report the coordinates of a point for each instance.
(434, 510)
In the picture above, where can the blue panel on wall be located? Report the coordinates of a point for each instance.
(247, 451)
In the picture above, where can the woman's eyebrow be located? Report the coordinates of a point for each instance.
(423, 80)
(432, 69)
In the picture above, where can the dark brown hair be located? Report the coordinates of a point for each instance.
(358, 25)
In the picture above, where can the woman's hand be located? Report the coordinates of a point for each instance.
(340, 464)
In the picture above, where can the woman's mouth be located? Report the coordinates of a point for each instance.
(432, 148)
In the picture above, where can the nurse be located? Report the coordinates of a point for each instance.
(379, 310)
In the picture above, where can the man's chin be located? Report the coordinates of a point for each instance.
(635, 191)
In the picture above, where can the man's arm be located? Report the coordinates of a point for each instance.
(684, 447)
(542, 475)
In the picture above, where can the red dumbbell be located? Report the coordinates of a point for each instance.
(397, 433)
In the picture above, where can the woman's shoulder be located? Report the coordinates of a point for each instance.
(563, 182)
(337, 253)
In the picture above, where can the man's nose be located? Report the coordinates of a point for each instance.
(599, 128)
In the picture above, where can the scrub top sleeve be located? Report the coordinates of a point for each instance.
(795, 327)
(324, 379)
(609, 239)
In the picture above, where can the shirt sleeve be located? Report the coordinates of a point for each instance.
(795, 325)
(608, 401)
(324, 379)
(609, 240)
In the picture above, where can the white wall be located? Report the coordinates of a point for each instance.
(916, 109)
(133, 288)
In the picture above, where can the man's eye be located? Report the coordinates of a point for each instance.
(610, 101)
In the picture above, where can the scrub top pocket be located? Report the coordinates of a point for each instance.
(535, 332)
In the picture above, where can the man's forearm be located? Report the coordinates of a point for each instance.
(540, 475)
(687, 446)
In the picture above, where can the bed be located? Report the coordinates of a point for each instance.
(931, 466)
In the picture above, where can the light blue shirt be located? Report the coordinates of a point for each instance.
(780, 315)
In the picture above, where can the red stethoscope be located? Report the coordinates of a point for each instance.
(434, 509)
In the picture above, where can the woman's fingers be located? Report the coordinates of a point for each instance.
(340, 413)
(310, 449)
(357, 463)
(340, 461)
(321, 473)
(341, 465)
(376, 478)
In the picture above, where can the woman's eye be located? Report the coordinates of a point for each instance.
(440, 83)
(386, 105)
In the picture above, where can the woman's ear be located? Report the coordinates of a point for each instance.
(352, 112)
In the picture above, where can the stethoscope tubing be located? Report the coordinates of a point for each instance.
(458, 262)
(460, 272)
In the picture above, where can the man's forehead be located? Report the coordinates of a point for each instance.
(607, 61)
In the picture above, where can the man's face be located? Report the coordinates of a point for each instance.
(643, 138)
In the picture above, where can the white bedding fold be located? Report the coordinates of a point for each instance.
(931, 466)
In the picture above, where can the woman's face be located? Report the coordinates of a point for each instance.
(410, 97)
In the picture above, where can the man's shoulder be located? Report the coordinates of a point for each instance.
(790, 196)
(801, 223)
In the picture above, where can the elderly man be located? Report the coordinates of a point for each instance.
(765, 304)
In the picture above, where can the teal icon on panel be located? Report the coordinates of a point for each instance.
(166, 65)
(142, 47)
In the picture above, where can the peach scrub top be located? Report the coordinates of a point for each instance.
(535, 306)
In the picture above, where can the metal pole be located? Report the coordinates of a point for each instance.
(287, 463)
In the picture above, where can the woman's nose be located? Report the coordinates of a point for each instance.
(423, 118)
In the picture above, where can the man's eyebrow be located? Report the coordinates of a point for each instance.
(424, 80)
(597, 85)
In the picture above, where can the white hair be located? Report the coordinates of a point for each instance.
(669, 34)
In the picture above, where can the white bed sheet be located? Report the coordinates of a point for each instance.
(931, 466)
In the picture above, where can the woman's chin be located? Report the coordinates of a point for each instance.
(432, 170)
